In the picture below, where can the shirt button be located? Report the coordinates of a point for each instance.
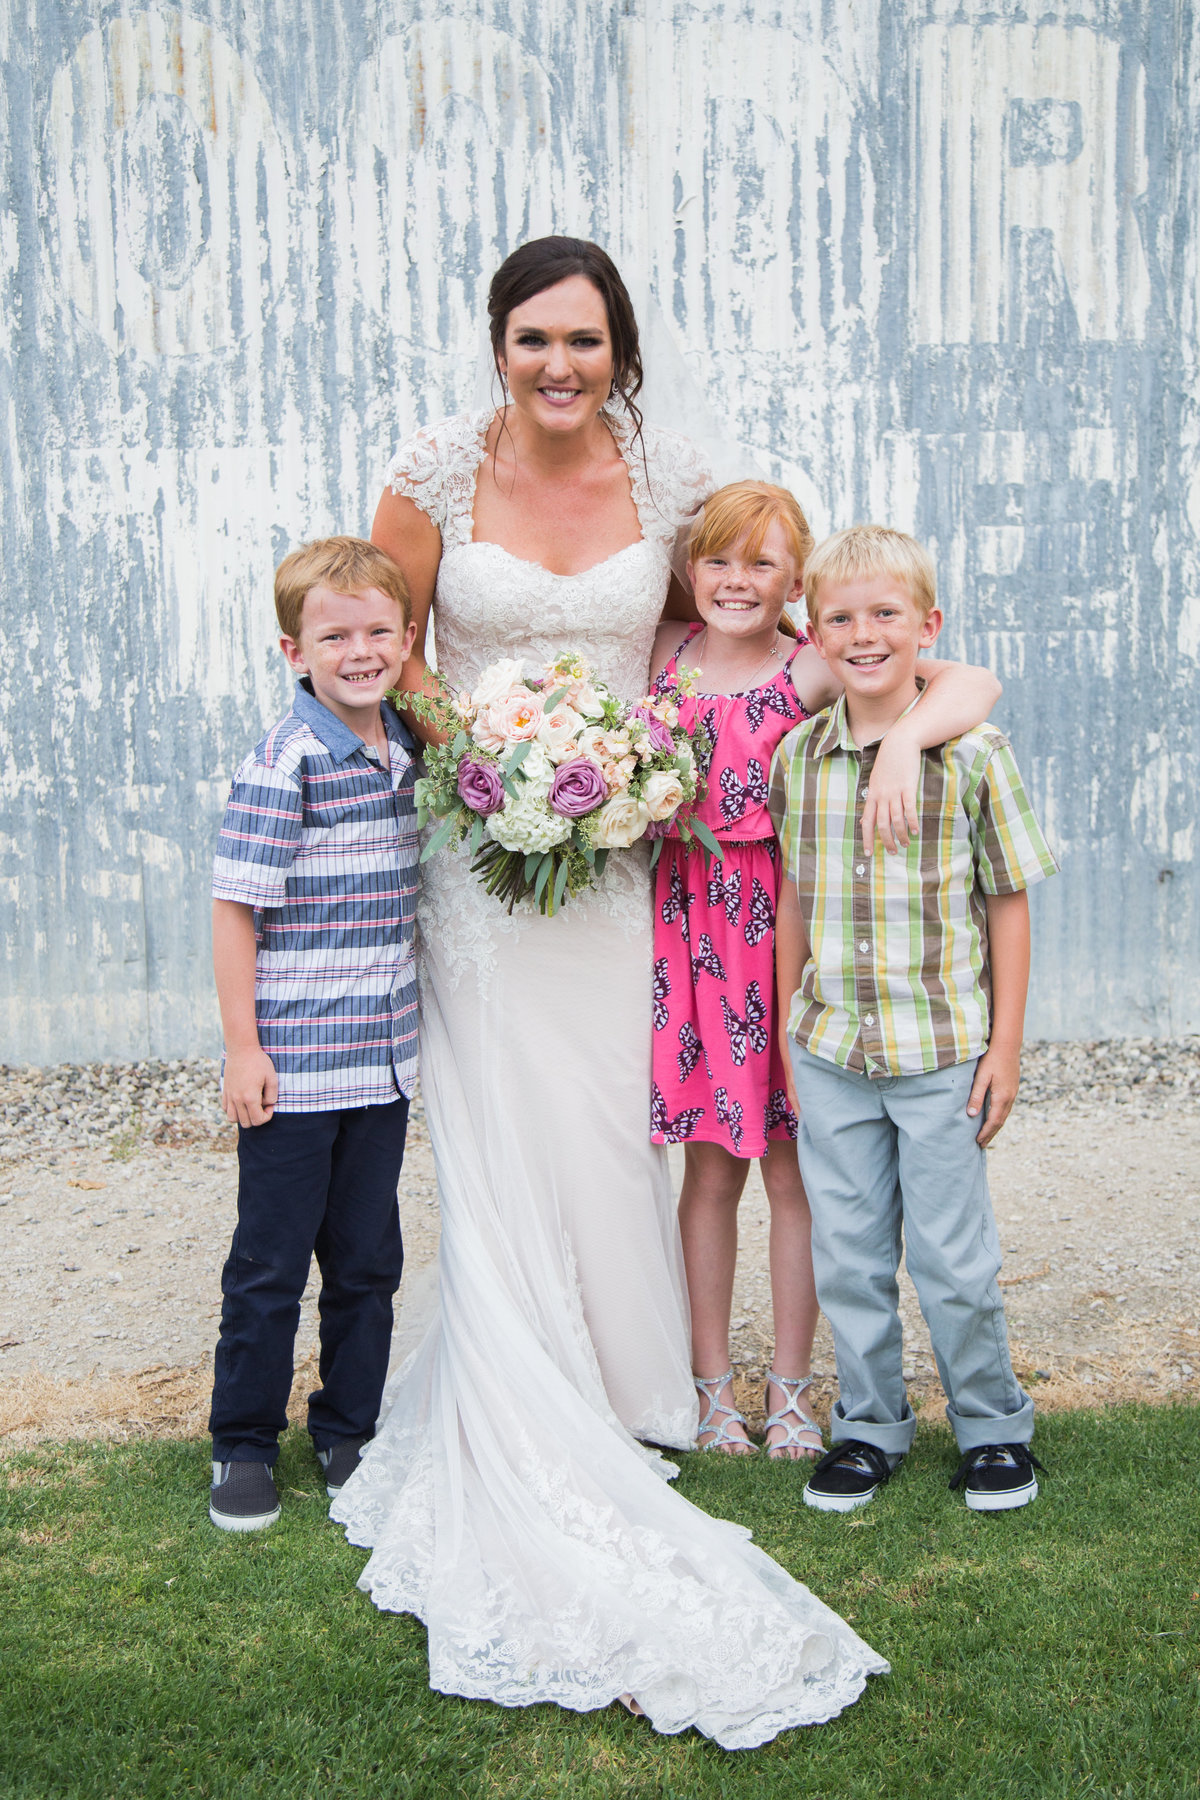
(861, 869)
(863, 945)
(868, 1018)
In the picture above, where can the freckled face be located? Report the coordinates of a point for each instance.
(558, 358)
(870, 632)
(352, 647)
(740, 595)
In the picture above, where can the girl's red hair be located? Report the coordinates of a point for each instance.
(747, 510)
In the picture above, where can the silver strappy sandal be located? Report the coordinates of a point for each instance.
(719, 1417)
(786, 1414)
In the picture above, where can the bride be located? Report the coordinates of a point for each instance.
(508, 1499)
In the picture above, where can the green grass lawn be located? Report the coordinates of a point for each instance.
(1049, 1652)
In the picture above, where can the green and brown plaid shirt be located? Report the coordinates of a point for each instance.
(897, 981)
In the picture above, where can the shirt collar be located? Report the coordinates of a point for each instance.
(835, 733)
(337, 738)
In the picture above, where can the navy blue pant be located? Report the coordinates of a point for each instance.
(321, 1182)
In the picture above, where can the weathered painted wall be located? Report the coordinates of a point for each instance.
(935, 263)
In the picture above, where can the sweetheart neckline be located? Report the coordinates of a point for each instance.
(528, 563)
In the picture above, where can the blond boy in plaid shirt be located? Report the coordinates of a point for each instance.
(902, 982)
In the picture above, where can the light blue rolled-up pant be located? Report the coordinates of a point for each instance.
(882, 1157)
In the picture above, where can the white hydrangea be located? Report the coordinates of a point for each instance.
(527, 824)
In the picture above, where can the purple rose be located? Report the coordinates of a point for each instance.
(578, 787)
(658, 733)
(480, 785)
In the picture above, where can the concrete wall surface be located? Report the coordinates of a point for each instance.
(934, 263)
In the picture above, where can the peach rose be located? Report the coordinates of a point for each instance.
(488, 729)
(558, 732)
(522, 713)
(590, 744)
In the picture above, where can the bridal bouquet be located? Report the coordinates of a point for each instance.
(543, 774)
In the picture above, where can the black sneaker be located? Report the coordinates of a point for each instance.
(848, 1476)
(243, 1497)
(997, 1476)
(340, 1462)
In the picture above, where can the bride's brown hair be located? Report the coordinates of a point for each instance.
(543, 263)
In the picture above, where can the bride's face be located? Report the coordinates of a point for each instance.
(558, 358)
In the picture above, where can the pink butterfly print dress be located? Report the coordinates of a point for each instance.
(718, 1069)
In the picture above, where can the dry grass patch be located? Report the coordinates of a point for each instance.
(155, 1402)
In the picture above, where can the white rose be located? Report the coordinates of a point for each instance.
(620, 822)
(536, 771)
(527, 824)
(496, 681)
(662, 793)
(558, 732)
(586, 700)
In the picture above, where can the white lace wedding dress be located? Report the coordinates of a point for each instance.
(506, 1499)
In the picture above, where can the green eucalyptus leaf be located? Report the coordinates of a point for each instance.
(707, 840)
(440, 837)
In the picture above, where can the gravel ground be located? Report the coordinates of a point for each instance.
(117, 1197)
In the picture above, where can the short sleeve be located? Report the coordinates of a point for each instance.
(670, 483)
(777, 796)
(693, 481)
(436, 470)
(1011, 851)
(260, 834)
(417, 472)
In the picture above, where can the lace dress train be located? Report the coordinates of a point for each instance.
(506, 1499)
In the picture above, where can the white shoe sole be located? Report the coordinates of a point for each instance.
(252, 1522)
(842, 1503)
(1004, 1501)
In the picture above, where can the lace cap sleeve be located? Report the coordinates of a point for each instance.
(680, 481)
(435, 469)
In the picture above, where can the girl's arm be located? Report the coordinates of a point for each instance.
(414, 542)
(791, 955)
(957, 697)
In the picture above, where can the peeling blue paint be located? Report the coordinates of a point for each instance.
(934, 262)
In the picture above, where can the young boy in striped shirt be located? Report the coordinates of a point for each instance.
(902, 982)
(314, 894)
